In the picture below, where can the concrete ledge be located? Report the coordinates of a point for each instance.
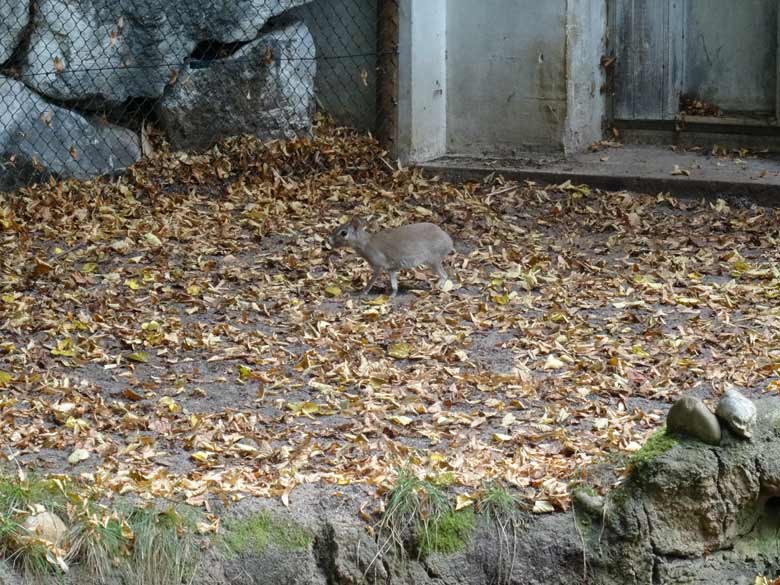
(644, 169)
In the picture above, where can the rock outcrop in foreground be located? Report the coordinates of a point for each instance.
(689, 513)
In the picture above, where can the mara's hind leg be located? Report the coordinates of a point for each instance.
(394, 283)
(439, 270)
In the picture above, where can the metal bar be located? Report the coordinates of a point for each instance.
(387, 75)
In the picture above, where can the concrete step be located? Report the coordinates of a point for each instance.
(638, 168)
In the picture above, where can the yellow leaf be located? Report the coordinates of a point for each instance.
(463, 501)
(77, 456)
(150, 326)
(773, 386)
(332, 291)
(77, 424)
(501, 299)
(194, 290)
(152, 240)
(552, 363)
(399, 351)
(447, 286)
(304, 408)
(201, 456)
(401, 420)
(139, 356)
(65, 348)
(5, 378)
(169, 403)
(244, 372)
(543, 507)
(501, 437)
(687, 301)
(8, 298)
(380, 300)
(88, 267)
(132, 284)
(530, 281)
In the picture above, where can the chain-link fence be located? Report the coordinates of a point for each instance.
(88, 87)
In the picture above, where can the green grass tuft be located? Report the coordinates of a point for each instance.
(497, 502)
(140, 546)
(418, 517)
(102, 542)
(164, 548)
(255, 532)
(18, 497)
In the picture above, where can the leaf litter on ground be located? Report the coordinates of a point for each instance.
(183, 332)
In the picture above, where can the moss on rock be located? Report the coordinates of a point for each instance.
(255, 532)
(448, 534)
(657, 444)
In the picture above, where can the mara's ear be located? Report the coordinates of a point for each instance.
(358, 223)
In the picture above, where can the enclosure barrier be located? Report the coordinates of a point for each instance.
(89, 88)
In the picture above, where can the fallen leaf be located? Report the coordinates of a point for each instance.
(332, 291)
(399, 351)
(77, 456)
(543, 507)
(402, 420)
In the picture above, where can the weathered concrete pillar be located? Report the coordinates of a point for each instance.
(422, 71)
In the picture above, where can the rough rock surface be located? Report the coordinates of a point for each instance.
(116, 50)
(266, 89)
(693, 515)
(7, 576)
(690, 416)
(14, 18)
(38, 139)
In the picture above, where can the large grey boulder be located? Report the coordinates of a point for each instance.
(14, 17)
(266, 89)
(38, 139)
(113, 50)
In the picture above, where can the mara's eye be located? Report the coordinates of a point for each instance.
(343, 233)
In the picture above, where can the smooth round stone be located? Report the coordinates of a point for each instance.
(690, 416)
(46, 526)
(738, 413)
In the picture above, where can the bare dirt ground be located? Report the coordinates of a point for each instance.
(182, 332)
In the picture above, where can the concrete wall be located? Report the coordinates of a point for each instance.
(731, 53)
(506, 76)
(499, 77)
(345, 37)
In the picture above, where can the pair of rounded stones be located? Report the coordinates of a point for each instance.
(690, 416)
